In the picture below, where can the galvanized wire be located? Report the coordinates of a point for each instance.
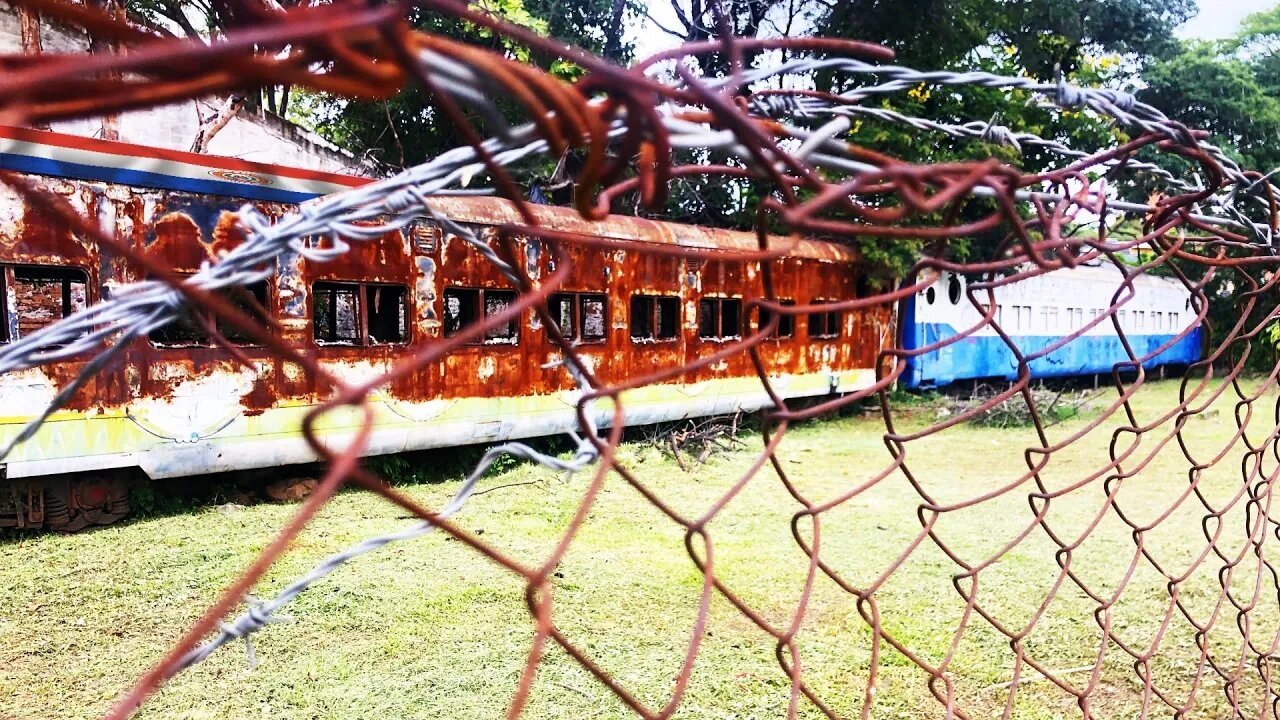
(1217, 224)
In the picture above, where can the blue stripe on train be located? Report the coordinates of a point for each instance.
(988, 356)
(125, 176)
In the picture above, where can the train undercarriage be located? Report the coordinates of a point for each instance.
(65, 503)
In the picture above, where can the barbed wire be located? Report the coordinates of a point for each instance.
(1208, 231)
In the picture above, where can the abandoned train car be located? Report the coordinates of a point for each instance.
(174, 404)
(1041, 313)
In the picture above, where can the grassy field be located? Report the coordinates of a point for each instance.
(429, 629)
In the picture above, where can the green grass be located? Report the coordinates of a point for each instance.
(429, 629)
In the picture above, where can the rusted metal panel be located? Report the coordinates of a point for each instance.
(180, 397)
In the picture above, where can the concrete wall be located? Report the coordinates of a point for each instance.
(249, 136)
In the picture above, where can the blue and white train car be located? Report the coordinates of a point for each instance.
(1037, 313)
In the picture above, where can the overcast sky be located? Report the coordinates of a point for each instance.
(1220, 18)
(1217, 19)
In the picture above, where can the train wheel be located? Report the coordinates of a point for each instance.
(83, 501)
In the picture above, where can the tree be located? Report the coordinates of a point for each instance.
(1207, 86)
(408, 128)
(203, 21)
(1232, 90)
(1045, 35)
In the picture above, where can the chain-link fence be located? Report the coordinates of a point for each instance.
(1208, 224)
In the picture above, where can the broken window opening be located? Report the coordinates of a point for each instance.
(463, 307)
(388, 319)
(655, 317)
(495, 302)
(336, 317)
(719, 318)
(580, 316)
(251, 301)
(824, 325)
(668, 321)
(190, 329)
(593, 318)
(786, 321)
(362, 314)
(43, 295)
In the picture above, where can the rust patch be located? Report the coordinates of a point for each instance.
(413, 272)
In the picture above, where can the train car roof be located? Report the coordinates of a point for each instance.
(498, 211)
(42, 152)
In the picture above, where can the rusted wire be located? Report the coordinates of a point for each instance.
(1216, 221)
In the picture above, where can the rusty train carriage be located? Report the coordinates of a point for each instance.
(175, 405)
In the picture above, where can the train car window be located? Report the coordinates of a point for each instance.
(719, 318)
(786, 321)
(668, 319)
(185, 331)
(387, 313)
(824, 325)
(461, 309)
(642, 317)
(495, 302)
(1050, 317)
(191, 329)
(336, 317)
(930, 295)
(562, 311)
(708, 318)
(730, 318)
(580, 316)
(953, 290)
(655, 317)
(464, 307)
(1173, 321)
(251, 301)
(593, 317)
(44, 295)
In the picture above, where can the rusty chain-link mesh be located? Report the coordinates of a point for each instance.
(1209, 220)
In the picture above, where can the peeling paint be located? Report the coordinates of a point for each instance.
(154, 398)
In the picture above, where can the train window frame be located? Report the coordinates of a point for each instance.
(786, 321)
(725, 320)
(1049, 314)
(368, 309)
(11, 316)
(478, 298)
(826, 323)
(649, 307)
(577, 304)
(260, 290)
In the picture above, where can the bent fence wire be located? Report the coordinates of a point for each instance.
(1207, 220)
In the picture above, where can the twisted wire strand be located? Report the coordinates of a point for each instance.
(1218, 225)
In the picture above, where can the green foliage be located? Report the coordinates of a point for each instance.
(1207, 86)
(409, 128)
(151, 499)
(1043, 34)
(1095, 42)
